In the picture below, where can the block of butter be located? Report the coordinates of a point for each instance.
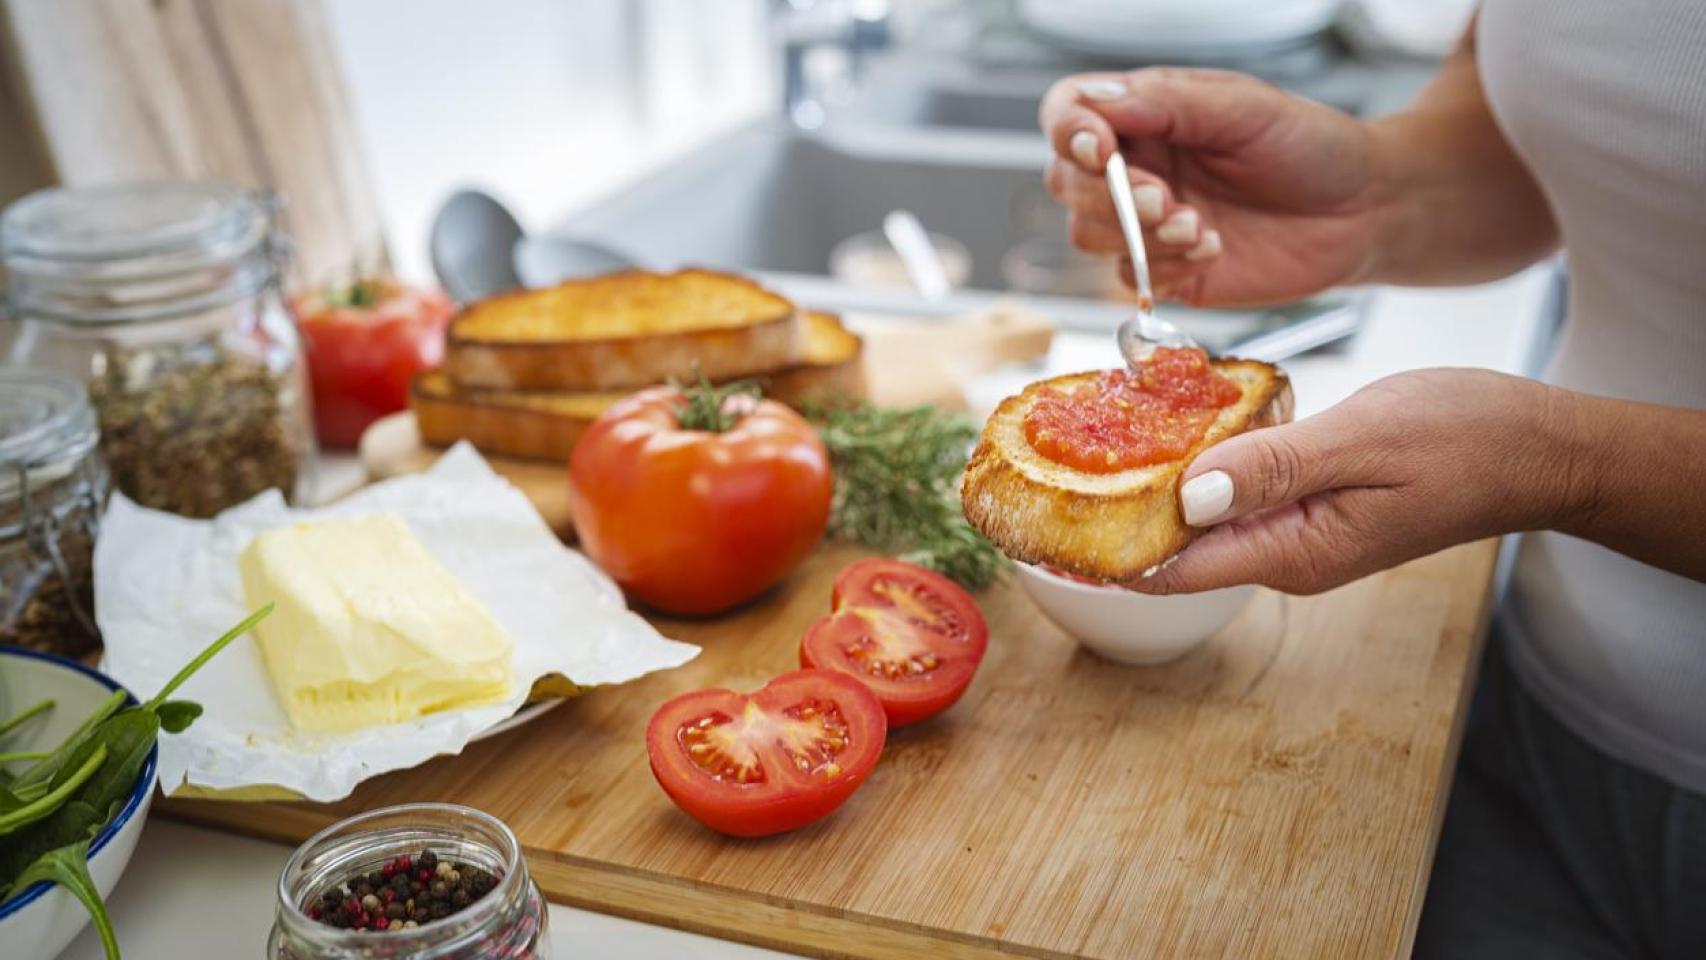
(370, 629)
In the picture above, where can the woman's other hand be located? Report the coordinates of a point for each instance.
(1408, 465)
(1247, 194)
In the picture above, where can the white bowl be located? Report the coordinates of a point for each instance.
(42, 919)
(1130, 627)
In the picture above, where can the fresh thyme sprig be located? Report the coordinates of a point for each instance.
(897, 476)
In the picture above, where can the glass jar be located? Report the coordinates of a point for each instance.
(508, 922)
(52, 488)
(164, 299)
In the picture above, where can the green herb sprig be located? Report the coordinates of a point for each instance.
(50, 812)
(897, 479)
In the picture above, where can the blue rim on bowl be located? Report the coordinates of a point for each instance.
(138, 793)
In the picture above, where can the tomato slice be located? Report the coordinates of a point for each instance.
(910, 634)
(756, 764)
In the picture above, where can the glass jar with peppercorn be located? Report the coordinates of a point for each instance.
(164, 299)
(52, 489)
(420, 880)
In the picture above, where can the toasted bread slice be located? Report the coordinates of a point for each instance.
(510, 423)
(622, 331)
(1112, 526)
(832, 369)
(539, 425)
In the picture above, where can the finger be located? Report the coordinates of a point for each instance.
(1201, 109)
(1078, 133)
(1088, 193)
(1282, 464)
(1300, 548)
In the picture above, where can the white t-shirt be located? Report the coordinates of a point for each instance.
(1606, 103)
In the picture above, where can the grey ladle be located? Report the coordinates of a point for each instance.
(473, 243)
(479, 249)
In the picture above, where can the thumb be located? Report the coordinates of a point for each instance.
(1274, 466)
(1196, 108)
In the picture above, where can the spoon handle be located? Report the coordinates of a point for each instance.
(1119, 186)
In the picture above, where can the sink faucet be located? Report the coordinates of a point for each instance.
(825, 44)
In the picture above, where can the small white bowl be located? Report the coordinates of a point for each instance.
(1129, 627)
(42, 919)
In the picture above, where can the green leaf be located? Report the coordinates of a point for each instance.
(46, 770)
(12, 724)
(18, 755)
(50, 803)
(177, 715)
(128, 738)
(68, 866)
(201, 658)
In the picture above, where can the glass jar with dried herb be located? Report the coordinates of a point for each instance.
(164, 298)
(52, 488)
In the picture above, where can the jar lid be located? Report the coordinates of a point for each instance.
(46, 428)
(139, 250)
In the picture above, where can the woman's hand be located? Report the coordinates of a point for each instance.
(1408, 465)
(1247, 193)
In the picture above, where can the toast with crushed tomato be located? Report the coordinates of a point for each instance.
(545, 425)
(623, 331)
(1110, 526)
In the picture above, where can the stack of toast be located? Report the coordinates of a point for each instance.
(525, 373)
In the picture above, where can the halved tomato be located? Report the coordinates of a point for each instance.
(910, 634)
(754, 764)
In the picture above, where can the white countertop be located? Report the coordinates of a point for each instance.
(192, 892)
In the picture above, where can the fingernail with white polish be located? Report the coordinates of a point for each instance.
(1181, 227)
(1103, 90)
(1086, 149)
(1206, 497)
(1149, 203)
(1207, 248)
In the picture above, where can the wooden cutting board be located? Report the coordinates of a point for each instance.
(1276, 793)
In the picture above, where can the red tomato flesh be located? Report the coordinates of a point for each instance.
(752, 765)
(1123, 419)
(910, 634)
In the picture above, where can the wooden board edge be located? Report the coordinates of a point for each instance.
(1478, 631)
(733, 915)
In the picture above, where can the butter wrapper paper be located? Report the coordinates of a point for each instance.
(166, 586)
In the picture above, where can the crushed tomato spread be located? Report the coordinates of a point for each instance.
(1125, 419)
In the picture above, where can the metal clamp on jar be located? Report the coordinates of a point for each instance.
(52, 489)
(164, 298)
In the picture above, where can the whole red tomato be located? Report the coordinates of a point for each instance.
(697, 501)
(365, 343)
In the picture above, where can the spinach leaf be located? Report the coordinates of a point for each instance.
(68, 866)
(12, 724)
(51, 802)
(48, 769)
(177, 715)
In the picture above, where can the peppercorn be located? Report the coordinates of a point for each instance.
(401, 894)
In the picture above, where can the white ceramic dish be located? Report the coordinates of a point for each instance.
(41, 920)
(1129, 627)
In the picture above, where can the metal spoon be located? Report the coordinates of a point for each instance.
(917, 254)
(1140, 335)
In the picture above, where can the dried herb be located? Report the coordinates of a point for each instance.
(195, 429)
(47, 578)
(897, 482)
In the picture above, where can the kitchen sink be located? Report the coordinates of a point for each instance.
(770, 198)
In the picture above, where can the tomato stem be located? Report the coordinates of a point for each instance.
(707, 407)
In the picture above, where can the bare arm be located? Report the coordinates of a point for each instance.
(1457, 205)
